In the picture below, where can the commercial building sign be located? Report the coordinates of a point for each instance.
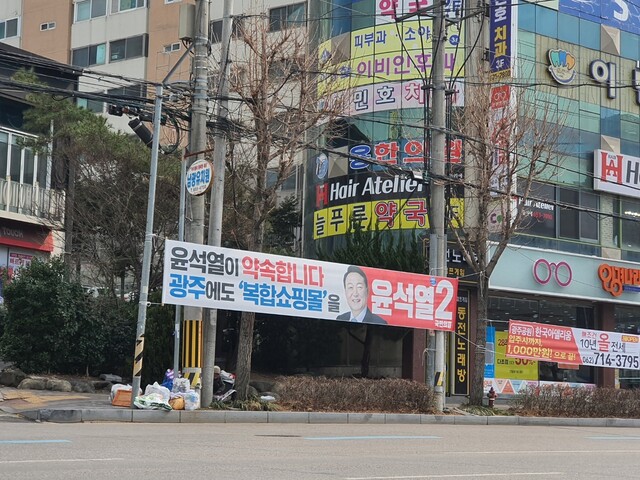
(616, 173)
(566, 275)
(460, 349)
(501, 30)
(622, 14)
(215, 277)
(573, 346)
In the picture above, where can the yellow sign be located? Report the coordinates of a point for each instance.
(388, 52)
(512, 368)
(394, 214)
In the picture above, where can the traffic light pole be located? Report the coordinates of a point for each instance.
(143, 301)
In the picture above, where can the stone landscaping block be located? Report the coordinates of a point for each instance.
(362, 418)
(402, 418)
(322, 417)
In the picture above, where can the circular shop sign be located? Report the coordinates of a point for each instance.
(199, 177)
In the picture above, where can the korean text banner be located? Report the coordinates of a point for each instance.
(222, 278)
(573, 346)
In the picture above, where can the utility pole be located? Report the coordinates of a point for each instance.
(217, 193)
(143, 301)
(437, 237)
(192, 323)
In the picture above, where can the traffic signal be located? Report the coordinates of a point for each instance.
(141, 131)
(115, 110)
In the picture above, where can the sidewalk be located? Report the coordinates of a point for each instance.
(58, 407)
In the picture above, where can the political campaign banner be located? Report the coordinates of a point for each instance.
(573, 346)
(228, 279)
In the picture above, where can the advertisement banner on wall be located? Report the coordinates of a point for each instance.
(501, 33)
(512, 368)
(573, 346)
(215, 277)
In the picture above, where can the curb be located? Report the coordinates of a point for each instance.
(227, 416)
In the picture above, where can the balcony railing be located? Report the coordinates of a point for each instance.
(31, 200)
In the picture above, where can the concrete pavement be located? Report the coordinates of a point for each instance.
(59, 407)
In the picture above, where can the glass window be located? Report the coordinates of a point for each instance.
(91, 55)
(629, 45)
(9, 28)
(578, 218)
(124, 5)
(610, 122)
(215, 29)
(527, 17)
(589, 34)
(88, 9)
(41, 171)
(287, 16)
(547, 22)
(126, 48)
(568, 28)
(539, 210)
(630, 224)
(4, 151)
(27, 174)
(94, 106)
(16, 160)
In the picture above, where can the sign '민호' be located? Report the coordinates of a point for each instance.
(222, 278)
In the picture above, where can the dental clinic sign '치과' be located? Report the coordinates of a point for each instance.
(222, 278)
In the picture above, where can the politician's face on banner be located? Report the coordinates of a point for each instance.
(356, 291)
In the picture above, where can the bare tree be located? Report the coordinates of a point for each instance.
(511, 140)
(272, 77)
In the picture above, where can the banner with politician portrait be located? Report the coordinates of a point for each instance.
(223, 278)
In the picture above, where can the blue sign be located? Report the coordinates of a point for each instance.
(489, 356)
(622, 14)
(500, 37)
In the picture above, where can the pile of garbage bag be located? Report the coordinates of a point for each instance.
(172, 394)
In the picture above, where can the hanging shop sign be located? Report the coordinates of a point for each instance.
(573, 346)
(387, 11)
(562, 66)
(460, 349)
(199, 177)
(501, 31)
(222, 278)
(616, 173)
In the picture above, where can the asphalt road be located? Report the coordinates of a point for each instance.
(118, 451)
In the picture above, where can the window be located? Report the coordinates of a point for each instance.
(94, 106)
(630, 224)
(88, 9)
(172, 1)
(9, 28)
(133, 92)
(578, 217)
(124, 5)
(91, 55)
(127, 48)
(215, 29)
(19, 162)
(47, 26)
(174, 47)
(288, 16)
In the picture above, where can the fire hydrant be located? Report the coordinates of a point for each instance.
(492, 395)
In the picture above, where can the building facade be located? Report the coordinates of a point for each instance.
(578, 60)
(32, 195)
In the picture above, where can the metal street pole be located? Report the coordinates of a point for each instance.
(217, 194)
(178, 315)
(143, 302)
(192, 323)
(437, 238)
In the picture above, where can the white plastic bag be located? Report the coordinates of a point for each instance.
(164, 392)
(152, 401)
(191, 400)
(181, 385)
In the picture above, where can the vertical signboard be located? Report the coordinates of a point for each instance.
(461, 347)
(500, 33)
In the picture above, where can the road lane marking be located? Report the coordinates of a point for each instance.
(613, 437)
(378, 437)
(22, 442)
(66, 460)
(460, 475)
